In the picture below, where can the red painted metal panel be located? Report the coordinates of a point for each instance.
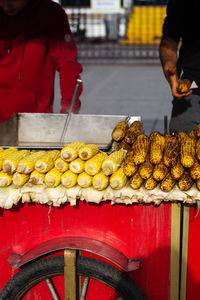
(138, 231)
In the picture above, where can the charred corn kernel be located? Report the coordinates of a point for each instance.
(61, 165)
(171, 151)
(70, 152)
(11, 162)
(69, 179)
(197, 148)
(184, 86)
(185, 182)
(157, 147)
(4, 154)
(195, 170)
(136, 181)
(129, 167)
(53, 178)
(112, 163)
(37, 177)
(198, 131)
(177, 170)
(198, 184)
(119, 131)
(135, 129)
(140, 149)
(27, 164)
(87, 151)
(124, 147)
(167, 183)
(150, 183)
(20, 179)
(77, 165)
(160, 171)
(193, 134)
(181, 135)
(46, 162)
(5, 179)
(146, 169)
(100, 181)
(94, 164)
(84, 180)
(118, 179)
(187, 152)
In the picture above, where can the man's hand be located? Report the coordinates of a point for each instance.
(172, 78)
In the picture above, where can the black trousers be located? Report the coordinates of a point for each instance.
(185, 114)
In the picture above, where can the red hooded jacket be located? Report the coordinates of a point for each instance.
(33, 45)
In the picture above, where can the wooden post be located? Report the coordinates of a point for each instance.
(70, 274)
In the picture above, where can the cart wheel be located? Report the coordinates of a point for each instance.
(45, 269)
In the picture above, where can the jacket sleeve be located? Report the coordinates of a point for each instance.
(63, 51)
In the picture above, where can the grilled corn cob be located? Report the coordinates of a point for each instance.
(118, 179)
(193, 134)
(11, 162)
(125, 147)
(119, 131)
(5, 179)
(70, 152)
(185, 182)
(181, 136)
(136, 181)
(20, 179)
(160, 171)
(197, 148)
(167, 183)
(37, 177)
(171, 150)
(53, 178)
(146, 169)
(129, 167)
(135, 129)
(184, 86)
(177, 170)
(46, 162)
(84, 180)
(100, 181)
(77, 165)
(195, 170)
(61, 165)
(69, 179)
(187, 152)
(140, 149)
(112, 162)
(153, 135)
(94, 164)
(198, 131)
(150, 183)
(157, 146)
(87, 151)
(27, 164)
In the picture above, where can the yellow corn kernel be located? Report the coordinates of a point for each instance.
(195, 170)
(160, 171)
(187, 152)
(112, 163)
(94, 164)
(69, 179)
(167, 183)
(157, 147)
(146, 169)
(5, 179)
(27, 164)
(88, 151)
(20, 179)
(84, 180)
(177, 170)
(150, 183)
(140, 149)
(77, 165)
(53, 178)
(171, 150)
(118, 179)
(61, 165)
(46, 162)
(119, 131)
(185, 182)
(100, 181)
(70, 152)
(37, 177)
(136, 181)
(129, 167)
(11, 162)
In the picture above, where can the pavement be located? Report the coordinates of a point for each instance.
(132, 90)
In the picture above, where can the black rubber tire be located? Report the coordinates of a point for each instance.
(36, 272)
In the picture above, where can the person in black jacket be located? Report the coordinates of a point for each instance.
(181, 28)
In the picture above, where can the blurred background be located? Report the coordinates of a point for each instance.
(117, 43)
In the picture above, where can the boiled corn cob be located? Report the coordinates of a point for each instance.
(197, 148)
(187, 152)
(119, 131)
(157, 147)
(20, 179)
(135, 129)
(150, 183)
(185, 182)
(87, 151)
(70, 152)
(94, 164)
(177, 170)
(184, 86)
(171, 150)
(146, 169)
(160, 171)
(112, 162)
(27, 164)
(136, 181)
(37, 177)
(84, 180)
(195, 170)
(69, 179)
(129, 167)
(61, 165)
(11, 162)
(53, 178)
(198, 131)
(118, 179)
(100, 181)
(140, 149)
(5, 153)
(46, 162)
(77, 165)
(167, 183)
(5, 179)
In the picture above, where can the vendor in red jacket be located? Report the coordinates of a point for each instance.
(35, 41)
